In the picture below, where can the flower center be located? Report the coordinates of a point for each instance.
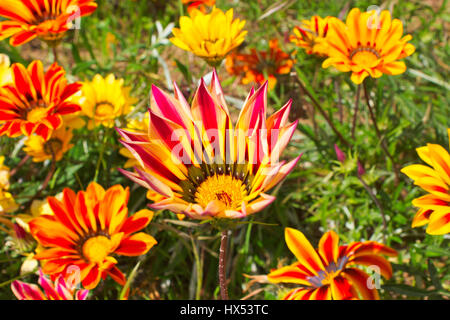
(324, 277)
(224, 188)
(104, 109)
(37, 114)
(52, 146)
(364, 55)
(96, 249)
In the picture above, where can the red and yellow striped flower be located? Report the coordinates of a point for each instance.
(202, 166)
(36, 101)
(367, 44)
(59, 290)
(86, 229)
(48, 20)
(199, 4)
(311, 34)
(259, 66)
(434, 207)
(330, 272)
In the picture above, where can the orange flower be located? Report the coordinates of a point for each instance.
(47, 19)
(434, 207)
(35, 102)
(259, 66)
(198, 4)
(367, 44)
(86, 229)
(329, 272)
(311, 35)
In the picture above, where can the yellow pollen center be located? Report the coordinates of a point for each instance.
(37, 114)
(223, 188)
(364, 56)
(329, 277)
(96, 249)
(104, 110)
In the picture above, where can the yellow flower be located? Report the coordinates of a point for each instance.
(311, 34)
(4, 175)
(7, 202)
(5, 70)
(367, 44)
(56, 146)
(434, 207)
(105, 99)
(38, 208)
(210, 36)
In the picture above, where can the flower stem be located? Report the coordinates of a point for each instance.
(21, 163)
(55, 54)
(379, 135)
(355, 114)
(222, 265)
(377, 203)
(199, 269)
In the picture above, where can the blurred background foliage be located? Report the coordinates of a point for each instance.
(130, 39)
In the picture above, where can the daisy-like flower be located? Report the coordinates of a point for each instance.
(7, 202)
(86, 229)
(330, 272)
(5, 70)
(311, 34)
(259, 66)
(48, 20)
(199, 4)
(59, 290)
(139, 126)
(53, 148)
(434, 207)
(105, 99)
(4, 174)
(199, 164)
(36, 101)
(210, 36)
(367, 44)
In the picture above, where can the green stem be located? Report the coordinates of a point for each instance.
(102, 152)
(379, 135)
(355, 114)
(199, 269)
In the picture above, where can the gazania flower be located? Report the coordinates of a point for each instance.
(434, 207)
(86, 229)
(259, 66)
(105, 99)
(4, 174)
(311, 34)
(210, 36)
(330, 272)
(53, 148)
(199, 4)
(139, 126)
(36, 101)
(203, 168)
(367, 44)
(7, 202)
(59, 290)
(5, 70)
(47, 19)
